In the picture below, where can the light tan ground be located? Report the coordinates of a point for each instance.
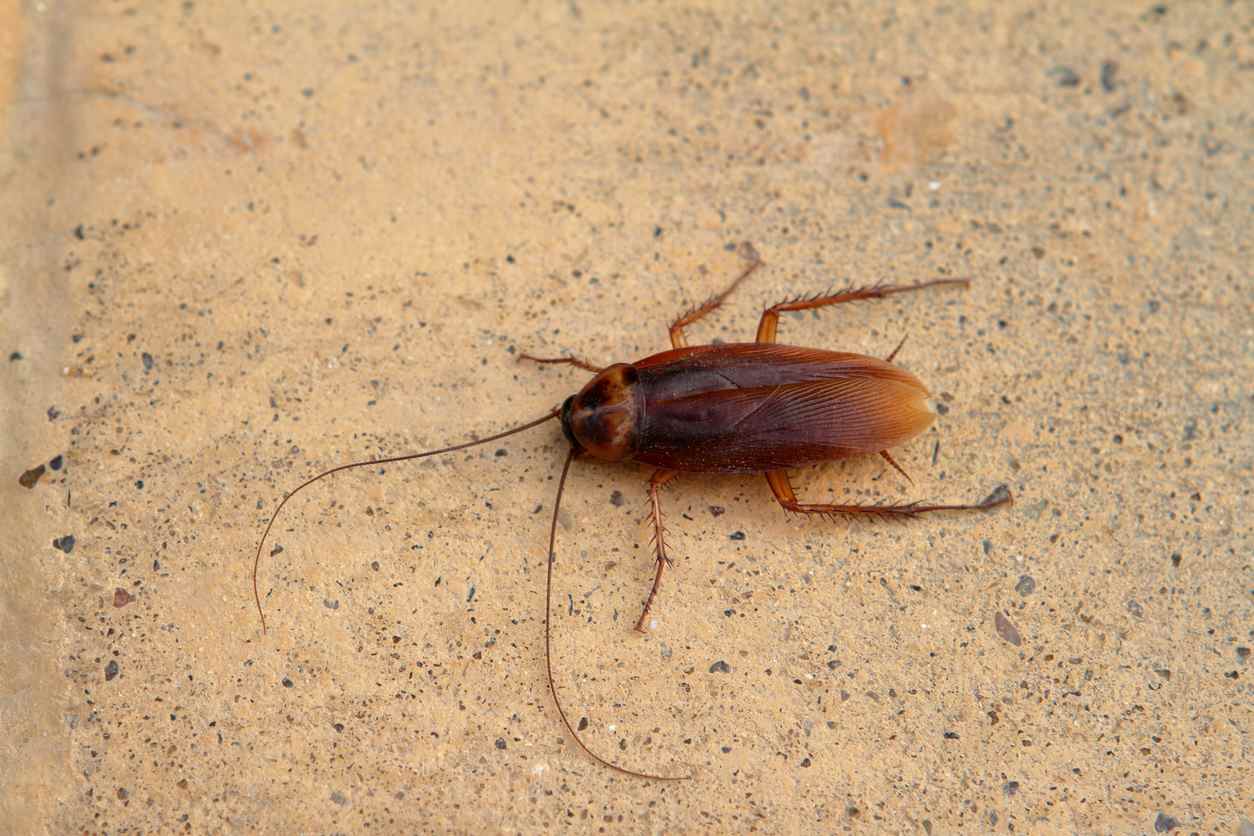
(329, 229)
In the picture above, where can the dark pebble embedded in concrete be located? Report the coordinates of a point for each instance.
(500, 743)
(1135, 608)
(717, 510)
(1026, 585)
(1000, 494)
(30, 477)
(1109, 72)
(1065, 76)
(15, 356)
(720, 667)
(616, 498)
(148, 362)
(1164, 823)
(55, 462)
(737, 535)
(111, 670)
(287, 683)
(121, 597)
(65, 544)
(1006, 630)
(1010, 787)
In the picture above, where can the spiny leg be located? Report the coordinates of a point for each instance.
(888, 458)
(569, 361)
(677, 327)
(659, 478)
(782, 488)
(770, 317)
(890, 357)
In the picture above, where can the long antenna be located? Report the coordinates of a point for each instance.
(548, 650)
(388, 460)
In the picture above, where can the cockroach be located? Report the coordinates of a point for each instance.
(757, 407)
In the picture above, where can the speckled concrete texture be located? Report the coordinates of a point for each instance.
(237, 247)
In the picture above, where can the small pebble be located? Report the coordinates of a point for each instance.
(1164, 823)
(30, 477)
(1007, 630)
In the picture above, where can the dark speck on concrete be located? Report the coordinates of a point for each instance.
(737, 535)
(30, 477)
(139, 484)
(121, 597)
(111, 670)
(1006, 630)
(1175, 558)
(616, 499)
(15, 356)
(65, 544)
(951, 735)
(720, 667)
(501, 453)
(717, 510)
(941, 409)
(79, 233)
(1065, 76)
(988, 546)
(805, 763)
(1109, 71)
(1243, 654)
(1135, 608)
(1026, 585)
(56, 462)
(1164, 823)
(148, 361)
(500, 743)
(1000, 494)
(339, 798)
(287, 683)
(1010, 788)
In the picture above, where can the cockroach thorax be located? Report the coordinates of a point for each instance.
(603, 418)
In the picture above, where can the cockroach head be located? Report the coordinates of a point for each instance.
(603, 418)
(566, 430)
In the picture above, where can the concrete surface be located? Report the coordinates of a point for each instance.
(236, 248)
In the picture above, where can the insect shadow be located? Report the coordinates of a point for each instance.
(754, 407)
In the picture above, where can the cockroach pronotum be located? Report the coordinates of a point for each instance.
(758, 407)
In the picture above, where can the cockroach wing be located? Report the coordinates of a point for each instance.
(786, 425)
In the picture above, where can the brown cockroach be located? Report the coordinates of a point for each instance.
(758, 407)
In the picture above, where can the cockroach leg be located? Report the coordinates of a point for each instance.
(888, 458)
(782, 488)
(659, 478)
(677, 327)
(890, 357)
(770, 316)
(568, 361)
(548, 635)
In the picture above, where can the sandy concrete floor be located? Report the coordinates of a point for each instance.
(238, 248)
